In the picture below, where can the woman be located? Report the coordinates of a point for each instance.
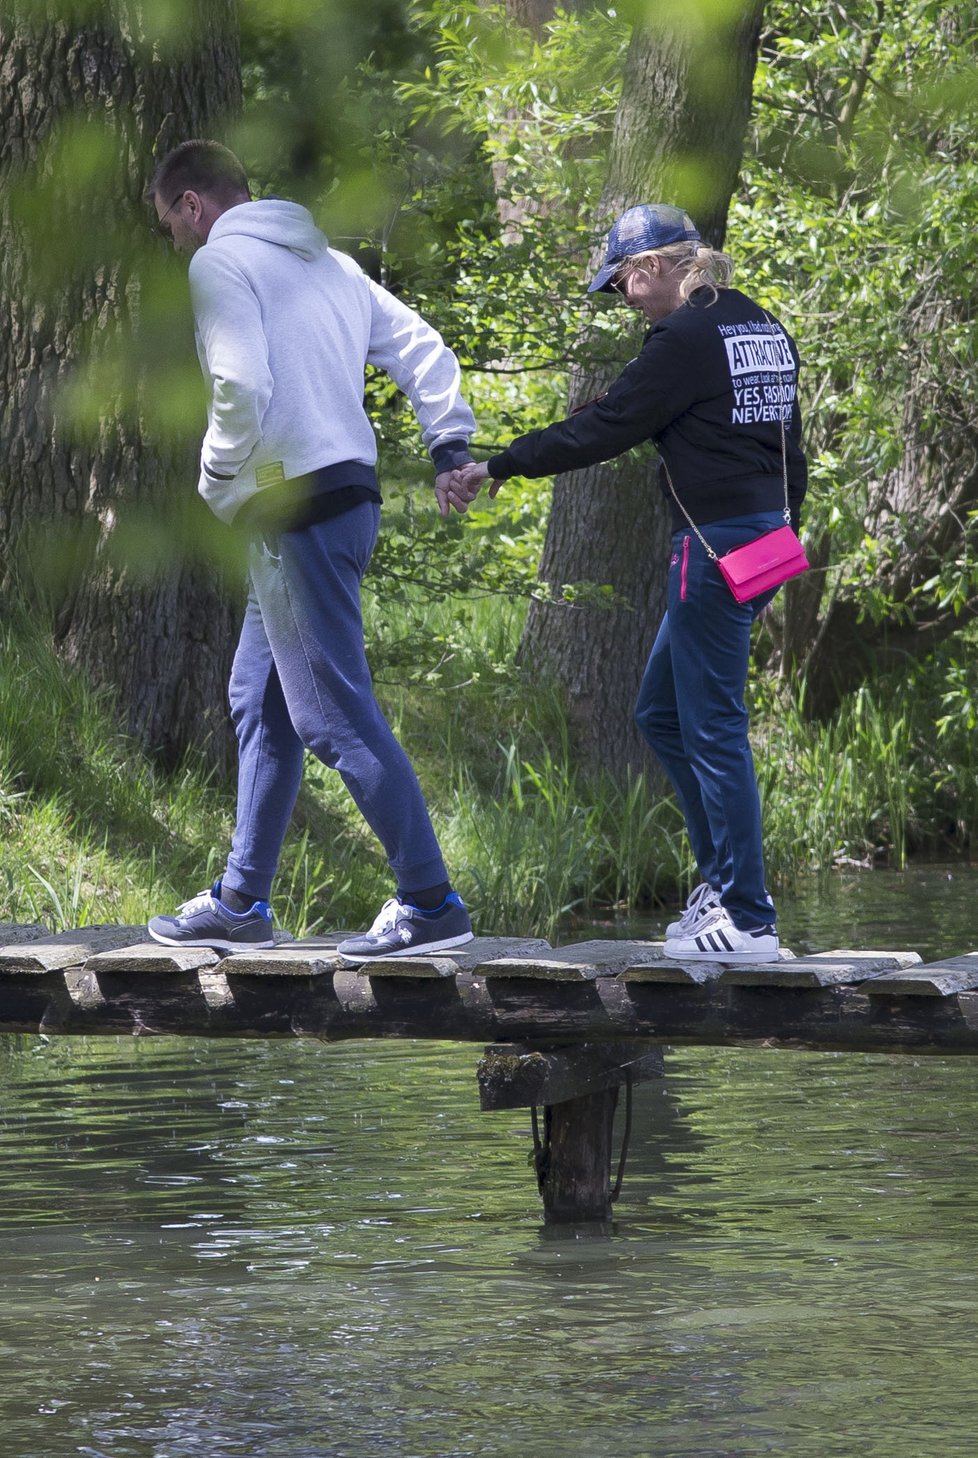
(714, 388)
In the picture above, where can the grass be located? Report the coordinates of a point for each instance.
(92, 831)
(547, 845)
(887, 776)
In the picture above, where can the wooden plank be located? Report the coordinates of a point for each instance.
(932, 979)
(490, 949)
(691, 974)
(293, 959)
(152, 957)
(537, 969)
(847, 954)
(514, 1076)
(609, 958)
(539, 1014)
(67, 949)
(16, 932)
(822, 969)
(328, 942)
(473, 957)
(504, 1004)
(214, 988)
(410, 967)
(467, 958)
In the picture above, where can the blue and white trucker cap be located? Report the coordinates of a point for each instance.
(640, 229)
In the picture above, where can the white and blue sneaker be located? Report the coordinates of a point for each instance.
(702, 903)
(204, 922)
(717, 940)
(402, 930)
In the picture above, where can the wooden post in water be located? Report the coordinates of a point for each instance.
(577, 1089)
(575, 1177)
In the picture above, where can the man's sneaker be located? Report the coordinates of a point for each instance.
(406, 931)
(718, 940)
(204, 922)
(699, 908)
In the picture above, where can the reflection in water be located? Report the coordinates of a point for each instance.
(283, 1250)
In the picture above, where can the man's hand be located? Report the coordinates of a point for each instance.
(473, 474)
(452, 491)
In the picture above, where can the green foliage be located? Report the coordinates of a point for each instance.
(857, 205)
(543, 106)
(893, 771)
(91, 831)
(509, 287)
(856, 219)
(463, 158)
(856, 213)
(320, 108)
(550, 843)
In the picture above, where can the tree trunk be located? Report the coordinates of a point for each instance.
(678, 138)
(88, 94)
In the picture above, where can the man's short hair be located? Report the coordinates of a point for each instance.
(199, 166)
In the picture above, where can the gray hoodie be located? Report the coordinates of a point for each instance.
(285, 327)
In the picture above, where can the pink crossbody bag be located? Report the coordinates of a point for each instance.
(766, 562)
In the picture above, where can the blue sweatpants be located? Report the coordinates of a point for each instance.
(691, 711)
(300, 680)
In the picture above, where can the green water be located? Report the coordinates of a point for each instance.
(284, 1250)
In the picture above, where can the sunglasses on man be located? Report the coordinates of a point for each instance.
(161, 227)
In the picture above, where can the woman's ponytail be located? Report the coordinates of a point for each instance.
(701, 267)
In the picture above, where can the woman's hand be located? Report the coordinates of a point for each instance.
(472, 476)
(457, 489)
(450, 493)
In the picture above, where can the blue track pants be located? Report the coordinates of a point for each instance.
(691, 711)
(300, 680)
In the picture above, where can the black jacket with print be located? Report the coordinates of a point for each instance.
(709, 389)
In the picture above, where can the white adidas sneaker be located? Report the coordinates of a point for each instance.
(718, 940)
(700, 906)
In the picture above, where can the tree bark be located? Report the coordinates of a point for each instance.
(87, 95)
(678, 137)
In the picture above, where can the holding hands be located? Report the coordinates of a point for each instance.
(460, 487)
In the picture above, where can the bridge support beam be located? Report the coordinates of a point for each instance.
(574, 1159)
(577, 1088)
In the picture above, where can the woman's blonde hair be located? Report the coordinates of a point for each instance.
(702, 267)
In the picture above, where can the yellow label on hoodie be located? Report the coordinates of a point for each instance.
(271, 475)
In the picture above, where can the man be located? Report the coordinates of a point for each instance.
(285, 326)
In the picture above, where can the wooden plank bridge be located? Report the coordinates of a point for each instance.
(563, 1028)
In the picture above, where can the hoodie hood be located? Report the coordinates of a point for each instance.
(273, 220)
